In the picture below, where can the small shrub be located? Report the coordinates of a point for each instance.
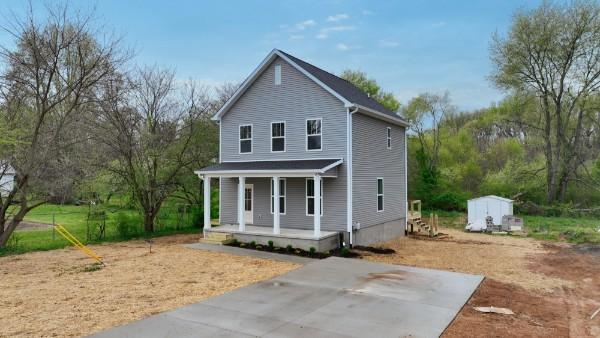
(345, 252)
(271, 245)
(126, 225)
(289, 248)
(259, 247)
(235, 242)
(312, 251)
(252, 244)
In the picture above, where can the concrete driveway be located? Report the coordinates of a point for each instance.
(334, 297)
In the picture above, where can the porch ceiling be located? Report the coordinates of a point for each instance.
(289, 168)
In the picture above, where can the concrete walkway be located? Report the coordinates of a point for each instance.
(334, 297)
(248, 252)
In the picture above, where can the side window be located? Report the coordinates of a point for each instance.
(310, 197)
(282, 193)
(277, 136)
(313, 134)
(380, 194)
(389, 138)
(246, 139)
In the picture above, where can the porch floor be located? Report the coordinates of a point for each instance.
(268, 231)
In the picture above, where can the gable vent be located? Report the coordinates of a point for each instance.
(277, 75)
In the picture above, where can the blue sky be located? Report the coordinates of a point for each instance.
(408, 46)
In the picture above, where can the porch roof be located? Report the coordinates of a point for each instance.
(285, 168)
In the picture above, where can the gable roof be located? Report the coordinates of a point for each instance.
(345, 91)
(493, 197)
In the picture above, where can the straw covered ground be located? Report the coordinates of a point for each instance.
(60, 293)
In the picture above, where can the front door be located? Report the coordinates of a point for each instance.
(249, 204)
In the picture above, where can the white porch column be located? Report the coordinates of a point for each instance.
(276, 206)
(241, 199)
(317, 209)
(206, 202)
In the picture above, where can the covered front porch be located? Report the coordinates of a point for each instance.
(256, 196)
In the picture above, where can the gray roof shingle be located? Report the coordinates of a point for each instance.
(343, 87)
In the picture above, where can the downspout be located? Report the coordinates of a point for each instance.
(349, 195)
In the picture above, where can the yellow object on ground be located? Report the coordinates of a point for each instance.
(73, 240)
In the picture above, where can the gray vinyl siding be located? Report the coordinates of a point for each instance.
(297, 98)
(372, 159)
(294, 101)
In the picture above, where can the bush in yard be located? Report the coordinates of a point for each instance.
(127, 225)
(345, 252)
(288, 248)
(271, 245)
(312, 251)
(252, 244)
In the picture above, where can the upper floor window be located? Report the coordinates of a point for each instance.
(380, 194)
(277, 75)
(277, 136)
(246, 139)
(313, 134)
(389, 138)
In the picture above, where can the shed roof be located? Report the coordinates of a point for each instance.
(492, 196)
(319, 166)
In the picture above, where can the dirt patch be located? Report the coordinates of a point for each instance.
(536, 315)
(60, 293)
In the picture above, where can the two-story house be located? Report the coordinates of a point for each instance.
(307, 159)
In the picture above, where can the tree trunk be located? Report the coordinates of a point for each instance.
(149, 216)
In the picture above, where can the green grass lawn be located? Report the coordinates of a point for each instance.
(121, 224)
(570, 229)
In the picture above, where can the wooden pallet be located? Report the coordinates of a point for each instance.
(212, 237)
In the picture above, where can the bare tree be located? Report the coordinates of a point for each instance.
(150, 126)
(47, 83)
(553, 52)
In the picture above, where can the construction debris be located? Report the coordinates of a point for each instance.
(415, 223)
(491, 309)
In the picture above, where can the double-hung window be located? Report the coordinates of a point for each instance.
(246, 139)
(389, 138)
(282, 193)
(310, 197)
(277, 136)
(313, 134)
(380, 194)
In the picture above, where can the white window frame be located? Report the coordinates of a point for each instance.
(378, 194)
(306, 197)
(280, 195)
(277, 79)
(320, 134)
(389, 137)
(284, 137)
(251, 139)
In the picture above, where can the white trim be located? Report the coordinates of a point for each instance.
(306, 195)
(261, 67)
(220, 194)
(206, 200)
(284, 195)
(318, 204)
(287, 159)
(405, 183)
(220, 136)
(382, 194)
(382, 116)
(320, 119)
(240, 204)
(388, 135)
(349, 192)
(240, 139)
(284, 137)
(261, 173)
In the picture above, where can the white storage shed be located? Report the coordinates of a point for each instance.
(479, 208)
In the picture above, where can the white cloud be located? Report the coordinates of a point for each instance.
(337, 17)
(324, 33)
(342, 46)
(306, 23)
(386, 43)
(439, 24)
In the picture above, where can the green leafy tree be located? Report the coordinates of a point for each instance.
(372, 88)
